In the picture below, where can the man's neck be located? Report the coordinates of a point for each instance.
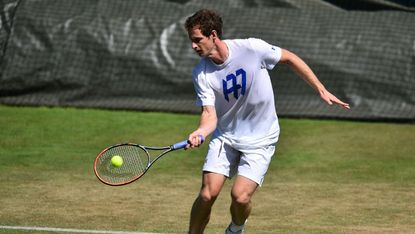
(221, 53)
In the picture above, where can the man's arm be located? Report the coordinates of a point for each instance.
(304, 71)
(207, 125)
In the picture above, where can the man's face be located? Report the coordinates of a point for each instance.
(201, 44)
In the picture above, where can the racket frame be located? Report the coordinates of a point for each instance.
(167, 149)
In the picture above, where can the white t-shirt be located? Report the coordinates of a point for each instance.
(240, 89)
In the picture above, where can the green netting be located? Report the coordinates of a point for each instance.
(136, 55)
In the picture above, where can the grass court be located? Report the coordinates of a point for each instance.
(327, 176)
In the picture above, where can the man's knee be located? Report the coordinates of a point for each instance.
(208, 195)
(241, 198)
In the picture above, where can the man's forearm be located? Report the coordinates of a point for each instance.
(208, 121)
(303, 70)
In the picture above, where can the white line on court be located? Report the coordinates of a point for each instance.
(51, 229)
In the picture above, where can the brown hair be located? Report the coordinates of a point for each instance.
(206, 20)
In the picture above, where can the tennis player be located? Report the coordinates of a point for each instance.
(234, 91)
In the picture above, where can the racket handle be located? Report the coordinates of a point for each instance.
(182, 144)
(179, 145)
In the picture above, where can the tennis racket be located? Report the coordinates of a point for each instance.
(136, 160)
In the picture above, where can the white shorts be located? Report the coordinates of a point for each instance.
(251, 163)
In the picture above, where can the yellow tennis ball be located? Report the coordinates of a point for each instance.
(117, 161)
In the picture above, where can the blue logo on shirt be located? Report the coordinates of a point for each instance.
(238, 82)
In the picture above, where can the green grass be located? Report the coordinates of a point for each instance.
(326, 177)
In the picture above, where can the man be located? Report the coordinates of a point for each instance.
(234, 90)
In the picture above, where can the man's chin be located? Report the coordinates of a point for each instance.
(201, 54)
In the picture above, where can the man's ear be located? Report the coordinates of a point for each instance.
(214, 35)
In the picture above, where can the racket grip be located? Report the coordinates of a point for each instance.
(179, 145)
(182, 144)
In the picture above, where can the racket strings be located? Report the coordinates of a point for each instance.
(135, 161)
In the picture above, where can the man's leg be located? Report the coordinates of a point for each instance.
(211, 186)
(242, 192)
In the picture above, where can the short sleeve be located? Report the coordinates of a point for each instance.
(269, 54)
(204, 93)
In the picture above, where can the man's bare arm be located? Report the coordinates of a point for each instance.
(305, 72)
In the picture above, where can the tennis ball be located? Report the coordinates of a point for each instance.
(116, 161)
